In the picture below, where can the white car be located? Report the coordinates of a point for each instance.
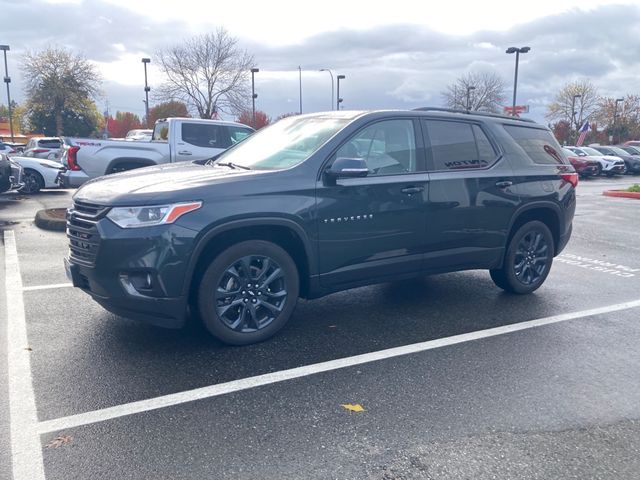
(139, 135)
(38, 173)
(609, 165)
(6, 149)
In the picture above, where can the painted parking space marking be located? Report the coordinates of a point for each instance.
(220, 389)
(595, 265)
(46, 287)
(26, 450)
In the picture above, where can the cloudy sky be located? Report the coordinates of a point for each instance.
(399, 54)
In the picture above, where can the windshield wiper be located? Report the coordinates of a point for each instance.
(232, 165)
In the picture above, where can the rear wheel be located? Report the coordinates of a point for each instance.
(33, 182)
(528, 259)
(248, 292)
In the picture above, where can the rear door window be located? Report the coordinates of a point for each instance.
(49, 143)
(458, 146)
(205, 135)
(538, 144)
(237, 134)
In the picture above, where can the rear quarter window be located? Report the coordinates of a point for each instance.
(538, 144)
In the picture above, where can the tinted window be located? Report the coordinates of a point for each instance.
(539, 145)
(49, 143)
(388, 147)
(454, 147)
(205, 135)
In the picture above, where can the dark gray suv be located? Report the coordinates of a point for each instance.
(318, 203)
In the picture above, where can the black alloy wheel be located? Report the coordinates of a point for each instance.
(248, 292)
(528, 259)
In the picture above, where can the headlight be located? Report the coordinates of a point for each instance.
(135, 217)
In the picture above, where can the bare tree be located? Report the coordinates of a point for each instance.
(487, 94)
(209, 73)
(60, 82)
(585, 103)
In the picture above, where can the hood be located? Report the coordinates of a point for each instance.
(162, 183)
(608, 158)
(28, 161)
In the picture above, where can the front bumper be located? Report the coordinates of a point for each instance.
(72, 178)
(135, 273)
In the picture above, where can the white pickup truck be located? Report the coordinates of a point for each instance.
(174, 140)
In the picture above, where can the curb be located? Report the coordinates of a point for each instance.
(621, 193)
(47, 221)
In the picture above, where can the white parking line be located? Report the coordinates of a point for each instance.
(281, 376)
(26, 450)
(46, 287)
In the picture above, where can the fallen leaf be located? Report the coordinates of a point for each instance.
(60, 441)
(352, 407)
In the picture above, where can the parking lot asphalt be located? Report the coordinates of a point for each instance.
(561, 400)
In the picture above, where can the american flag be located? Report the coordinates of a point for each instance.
(583, 133)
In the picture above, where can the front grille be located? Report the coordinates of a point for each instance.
(82, 232)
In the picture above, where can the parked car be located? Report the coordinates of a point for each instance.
(38, 173)
(6, 148)
(319, 203)
(10, 174)
(584, 166)
(42, 147)
(174, 140)
(139, 135)
(630, 149)
(634, 143)
(609, 165)
(632, 164)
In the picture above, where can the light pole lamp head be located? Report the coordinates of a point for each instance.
(511, 50)
(619, 100)
(470, 87)
(146, 60)
(5, 48)
(255, 70)
(341, 77)
(255, 95)
(524, 49)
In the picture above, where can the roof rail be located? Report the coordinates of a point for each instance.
(472, 112)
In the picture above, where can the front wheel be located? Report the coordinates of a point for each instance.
(248, 292)
(33, 182)
(528, 259)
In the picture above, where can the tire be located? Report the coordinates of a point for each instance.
(598, 170)
(33, 182)
(241, 316)
(528, 259)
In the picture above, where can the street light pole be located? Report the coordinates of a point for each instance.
(254, 95)
(517, 51)
(339, 100)
(300, 81)
(332, 91)
(7, 80)
(573, 113)
(146, 91)
(615, 116)
(469, 88)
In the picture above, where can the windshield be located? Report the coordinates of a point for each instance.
(284, 144)
(618, 151)
(591, 151)
(576, 151)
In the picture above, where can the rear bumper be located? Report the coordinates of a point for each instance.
(72, 178)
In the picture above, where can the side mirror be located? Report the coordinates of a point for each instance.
(344, 167)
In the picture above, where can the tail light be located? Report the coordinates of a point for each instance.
(72, 158)
(571, 178)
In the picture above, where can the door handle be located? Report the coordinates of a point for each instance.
(504, 184)
(412, 190)
(184, 152)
